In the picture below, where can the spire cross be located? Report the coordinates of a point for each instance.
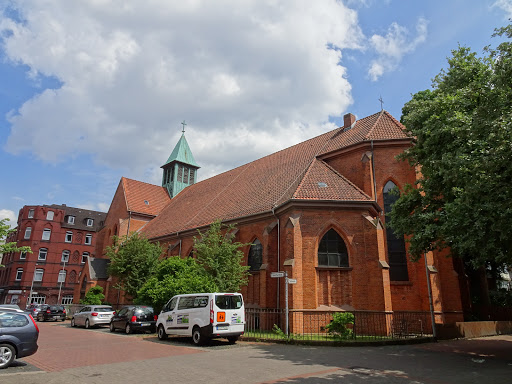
(183, 123)
(381, 102)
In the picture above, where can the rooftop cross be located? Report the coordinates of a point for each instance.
(381, 102)
(183, 123)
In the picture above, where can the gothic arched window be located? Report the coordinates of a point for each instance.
(332, 251)
(396, 244)
(255, 258)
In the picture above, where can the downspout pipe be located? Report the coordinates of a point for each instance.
(278, 257)
(373, 174)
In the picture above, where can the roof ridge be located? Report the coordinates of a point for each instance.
(374, 124)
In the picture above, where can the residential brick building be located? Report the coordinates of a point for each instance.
(62, 240)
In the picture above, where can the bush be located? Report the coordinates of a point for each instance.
(338, 327)
(93, 296)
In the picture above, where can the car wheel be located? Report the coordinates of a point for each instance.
(197, 338)
(232, 339)
(7, 355)
(128, 329)
(73, 324)
(112, 328)
(87, 324)
(161, 333)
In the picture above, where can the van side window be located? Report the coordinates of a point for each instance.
(200, 301)
(186, 302)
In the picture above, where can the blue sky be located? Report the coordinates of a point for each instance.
(96, 90)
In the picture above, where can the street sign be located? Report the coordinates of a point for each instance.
(277, 274)
(292, 281)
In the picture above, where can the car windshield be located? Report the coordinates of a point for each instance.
(103, 309)
(228, 301)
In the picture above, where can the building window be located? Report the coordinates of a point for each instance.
(19, 274)
(255, 256)
(43, 252)
(46, 234)
(192, 175)
(62, 277)
(38, 275)
(38, 299)
(28, 232)
(90, 222)
(66, 300)
(332, 251)
(69, 237)
(23, 255)
(185, 175)
(72, 277)
(71, 219)
(30, 213)
(396, 244)
(65, 256)
(85, 255)
(88, 239)
(49, 215)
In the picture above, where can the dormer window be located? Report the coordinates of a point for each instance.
(49, 215)
(71, 219)
(146, 202)
(90, 222)
(30, 213)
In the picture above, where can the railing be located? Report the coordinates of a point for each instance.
(311, 325)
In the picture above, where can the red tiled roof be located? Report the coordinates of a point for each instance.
(266, 183)
(137, 192)
(322, 182)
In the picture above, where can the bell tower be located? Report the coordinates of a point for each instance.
(180, 169)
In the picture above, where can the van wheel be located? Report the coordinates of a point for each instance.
(197, 338)
(232, 339)
(161, 333)
(7, 354)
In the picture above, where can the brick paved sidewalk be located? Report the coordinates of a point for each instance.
(83, 347)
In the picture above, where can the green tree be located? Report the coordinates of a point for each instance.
(5, 230)
(222, 258)
(133, 260)
(174, 276)
(94, 296)
(463, 130)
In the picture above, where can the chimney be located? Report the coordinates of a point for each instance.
(348, 120)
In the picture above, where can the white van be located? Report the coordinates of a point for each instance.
(203, 316)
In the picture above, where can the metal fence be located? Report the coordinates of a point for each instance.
(312, 325)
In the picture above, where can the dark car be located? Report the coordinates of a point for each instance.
(18, 335)
(134, 318)
(51, 312)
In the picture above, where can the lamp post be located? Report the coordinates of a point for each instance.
(60, 286)
(31, 287)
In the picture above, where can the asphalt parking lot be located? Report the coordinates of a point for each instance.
(89, 356)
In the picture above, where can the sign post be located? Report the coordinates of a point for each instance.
(286, 282)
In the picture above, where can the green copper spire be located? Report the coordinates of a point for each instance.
(180, 169)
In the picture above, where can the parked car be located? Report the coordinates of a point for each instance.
(10, 306)
(92, 315)
(18, 335)
(134, 318)
(51, 312)
(34, 309)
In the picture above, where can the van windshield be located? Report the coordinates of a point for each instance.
(228, 301)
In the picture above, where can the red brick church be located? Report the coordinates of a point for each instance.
(316, 210)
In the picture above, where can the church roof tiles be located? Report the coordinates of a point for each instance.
(293, 173)
(144, 198)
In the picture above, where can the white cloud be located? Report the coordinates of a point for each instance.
(251, 76)
(506, 6)
(392, 47)
(8, 214)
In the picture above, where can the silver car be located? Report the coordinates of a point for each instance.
(92, 315)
